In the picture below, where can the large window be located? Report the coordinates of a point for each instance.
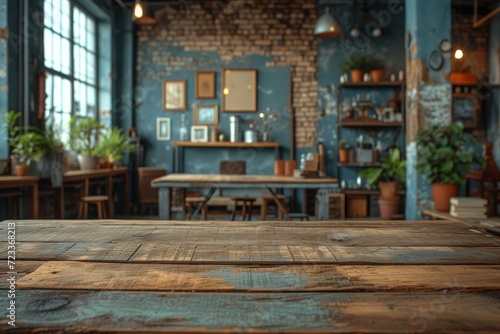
(70, 60)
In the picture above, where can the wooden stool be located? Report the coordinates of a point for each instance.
(97, 200)
(336, 205)
(266, 200)
(194, 202)
(244, 202)
(298, 215)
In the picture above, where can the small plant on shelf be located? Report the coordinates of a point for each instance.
(343, 152)
(356, 66)
(112, 146)
(376, 68)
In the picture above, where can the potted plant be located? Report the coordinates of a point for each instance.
(50, 165)
(25, 143)
(376, 68)
(83, 134)
(442, 157)
(356, 66)
(343, 152)
(112, 146)
(390, 176)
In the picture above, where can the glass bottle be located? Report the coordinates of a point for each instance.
(183, 130)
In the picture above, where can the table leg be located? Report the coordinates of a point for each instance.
(60, 202)
(109, 191)
(126, 194)
(164, 203)
(323, 203)
(34, 197)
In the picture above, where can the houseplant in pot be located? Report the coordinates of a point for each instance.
(26, 147)
(390, 176)
(343, 152)
(376, 68)
(356, 66)
(83, 136)
(112, 146)
(444, 155)
(51, 163)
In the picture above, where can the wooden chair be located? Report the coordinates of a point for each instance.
(269, 200)
(147, 195)
(236, 167)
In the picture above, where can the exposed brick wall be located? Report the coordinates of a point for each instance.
(282, 29)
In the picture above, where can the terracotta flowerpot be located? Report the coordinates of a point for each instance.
(279, 167)
(21, 170)
(388, 207)
(442, 192)
(377, 75)
(357, 76)
(389, 190)
(343, 156)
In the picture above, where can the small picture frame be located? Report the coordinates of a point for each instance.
(199, 133)
(465, 109)
(206, 114)
(174, 95)
(163, 128)
(388, 115)
(205, 85)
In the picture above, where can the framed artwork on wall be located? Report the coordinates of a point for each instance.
(199, 133)
(388, 114)
(163, 128)
(174, 95)
(239, 90)
(206, 114)
(205, 85)
(465, 108)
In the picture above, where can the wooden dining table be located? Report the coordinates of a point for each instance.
(118, 276)
(270, 182)
(19, 182)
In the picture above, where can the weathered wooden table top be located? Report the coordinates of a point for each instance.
(315, 277)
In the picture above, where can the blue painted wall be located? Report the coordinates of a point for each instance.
(332, 53)
(493, 124)
(4, 85)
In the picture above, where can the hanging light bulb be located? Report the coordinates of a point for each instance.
(459, 54)
(138, 11)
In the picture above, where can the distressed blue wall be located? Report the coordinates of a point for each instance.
(4, 86)
(428, 93)
(493, 128)
(332, 53)
(273, 93)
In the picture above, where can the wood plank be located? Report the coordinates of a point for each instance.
(257, 234)
(22, 269)
(123, 311)
(74, 275)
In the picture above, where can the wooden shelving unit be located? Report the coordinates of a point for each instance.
(226, 144)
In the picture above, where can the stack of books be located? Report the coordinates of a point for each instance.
(468, 207)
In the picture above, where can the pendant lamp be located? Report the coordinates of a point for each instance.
(327, 26)
(141, 15)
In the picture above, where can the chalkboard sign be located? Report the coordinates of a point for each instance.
(465, 109)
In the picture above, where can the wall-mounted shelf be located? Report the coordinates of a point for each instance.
(367, 123)
(179, 147)
(226, 144)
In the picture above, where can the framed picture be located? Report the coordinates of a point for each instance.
(199, 133)
(174, 95)
(465, 109)
(388, 115)
(163, 128)
(239, 90)
(205, 85)
(206, 114)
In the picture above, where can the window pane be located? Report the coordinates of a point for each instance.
(65, 65)
(66, 96)
(49, 92)
(47, 13)
(47, 35)
(90, 69)
(91, 101)
(56, 44)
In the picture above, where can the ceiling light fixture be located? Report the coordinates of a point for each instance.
(327, 26)
(141, 15)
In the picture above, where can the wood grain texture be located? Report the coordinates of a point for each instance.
(124, 312)
(261, 277)
(62, 275)
(216, 179)
(226, 144)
